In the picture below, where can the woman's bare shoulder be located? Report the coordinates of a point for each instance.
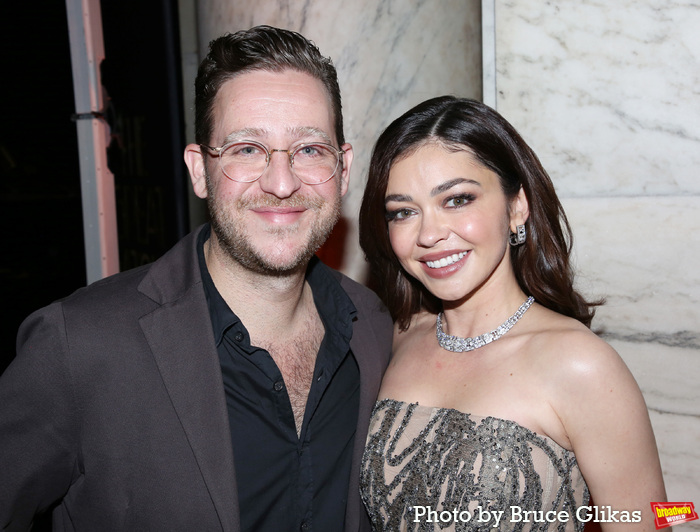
(577, 361)
(564, 340)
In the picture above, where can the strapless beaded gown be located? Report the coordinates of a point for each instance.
(428, 468)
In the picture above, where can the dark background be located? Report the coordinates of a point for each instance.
(43, 255)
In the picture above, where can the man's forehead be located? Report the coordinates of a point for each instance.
(260, 104)
(284, 84)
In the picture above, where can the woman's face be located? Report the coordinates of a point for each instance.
(449, 222)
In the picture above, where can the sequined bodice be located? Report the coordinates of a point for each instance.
(460, 467)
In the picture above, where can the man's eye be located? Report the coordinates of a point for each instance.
(243, 150)
(315, 152)
(308, 150)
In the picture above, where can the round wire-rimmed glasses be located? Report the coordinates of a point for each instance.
(245, 161)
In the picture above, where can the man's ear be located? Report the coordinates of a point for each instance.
(519, 210)
(347, 158)
(194, 159)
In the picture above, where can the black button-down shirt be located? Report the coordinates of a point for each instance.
(285, 481)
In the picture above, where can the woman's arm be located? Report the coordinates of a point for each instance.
(607, 422)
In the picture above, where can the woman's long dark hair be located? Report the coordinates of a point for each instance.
(541, 264)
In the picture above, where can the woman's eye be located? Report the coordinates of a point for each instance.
(398, 214)
(459, 201)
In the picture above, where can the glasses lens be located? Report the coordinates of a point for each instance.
(244, 161)
(315, 163)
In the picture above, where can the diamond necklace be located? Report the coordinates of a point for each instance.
(457, 344)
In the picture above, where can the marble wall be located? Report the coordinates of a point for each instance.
(390, 56)
(607, 94)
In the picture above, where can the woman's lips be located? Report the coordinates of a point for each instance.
(445, 261)
(443, 265)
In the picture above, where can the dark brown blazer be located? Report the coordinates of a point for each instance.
(113, 412)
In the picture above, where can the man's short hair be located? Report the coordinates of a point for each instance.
(260, 48)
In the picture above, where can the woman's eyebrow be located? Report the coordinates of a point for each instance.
(397, 197)
(442, 187)
(447, 185)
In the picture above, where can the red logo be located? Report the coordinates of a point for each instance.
(673, 513)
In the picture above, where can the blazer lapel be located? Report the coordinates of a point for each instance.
(180, 336)
(365, 347)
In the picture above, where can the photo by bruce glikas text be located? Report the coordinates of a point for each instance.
(515, 514)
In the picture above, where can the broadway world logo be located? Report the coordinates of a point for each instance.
(673, 513)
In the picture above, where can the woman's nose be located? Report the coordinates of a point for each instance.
(433, 229)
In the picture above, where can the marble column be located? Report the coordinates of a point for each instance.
(390, 55)
(607, 95)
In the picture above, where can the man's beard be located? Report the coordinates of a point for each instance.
(238, 245)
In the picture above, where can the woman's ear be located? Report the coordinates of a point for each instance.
(519, 210)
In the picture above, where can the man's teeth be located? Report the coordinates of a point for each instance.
(445, 261)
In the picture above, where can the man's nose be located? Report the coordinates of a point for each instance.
(278, 178)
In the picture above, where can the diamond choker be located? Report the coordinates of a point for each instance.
(457, 344)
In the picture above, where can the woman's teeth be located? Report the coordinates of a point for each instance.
(445, 261)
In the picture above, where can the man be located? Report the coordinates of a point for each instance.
(227, 386)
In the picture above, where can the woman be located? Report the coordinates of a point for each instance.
(500, 408)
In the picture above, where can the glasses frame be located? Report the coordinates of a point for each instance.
(268, 155)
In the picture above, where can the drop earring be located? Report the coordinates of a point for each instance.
(519, 236)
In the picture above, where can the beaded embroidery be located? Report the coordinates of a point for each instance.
(446, 459)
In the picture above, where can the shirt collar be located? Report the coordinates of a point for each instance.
(335, 307)
(222, 317)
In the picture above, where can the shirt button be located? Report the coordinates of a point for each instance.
(305, 526)
(278, 386)
(238, 336)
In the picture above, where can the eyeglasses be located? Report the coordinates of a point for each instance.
(246, 161)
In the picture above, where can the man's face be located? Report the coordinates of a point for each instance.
(275, 224)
